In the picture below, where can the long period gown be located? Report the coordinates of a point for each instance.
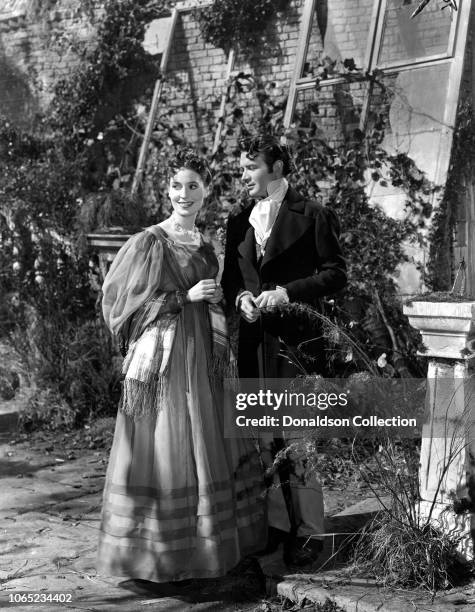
(180, 500)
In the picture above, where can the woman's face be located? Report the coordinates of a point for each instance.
(187, 192)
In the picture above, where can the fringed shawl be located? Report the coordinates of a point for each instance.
(145, 317)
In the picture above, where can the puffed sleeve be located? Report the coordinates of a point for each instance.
(133, 278)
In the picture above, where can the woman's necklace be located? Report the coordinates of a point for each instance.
(192, 234)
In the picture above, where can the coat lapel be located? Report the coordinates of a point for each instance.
(247, 248)
(290, 224)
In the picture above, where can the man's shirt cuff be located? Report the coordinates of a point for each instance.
(284, 291)
(239, 297)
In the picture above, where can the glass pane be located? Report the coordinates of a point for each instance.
(414, 121)
(340, 30)
(405, 39)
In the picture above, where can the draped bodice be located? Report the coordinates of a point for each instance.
(151, 262)
(185, 263)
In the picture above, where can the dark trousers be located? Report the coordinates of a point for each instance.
(260, 355)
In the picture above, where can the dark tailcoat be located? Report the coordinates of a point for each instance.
(303, 254)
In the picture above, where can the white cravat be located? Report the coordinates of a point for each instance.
(264, 213)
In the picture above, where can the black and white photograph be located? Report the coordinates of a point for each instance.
(237, 305)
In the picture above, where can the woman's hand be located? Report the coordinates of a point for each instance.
(204, 290)
(217, 297)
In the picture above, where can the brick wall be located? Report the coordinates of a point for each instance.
(39, 48)
(36, 49)
(339, 31)
(336, 108)
(201, 68)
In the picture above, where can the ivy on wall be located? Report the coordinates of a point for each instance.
(100, 87)
(74, 175)
(242, 24)
(444, 223)
(339, 174)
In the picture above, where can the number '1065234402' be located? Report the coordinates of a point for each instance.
(22, 597)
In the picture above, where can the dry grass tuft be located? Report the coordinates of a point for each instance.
(403, 546)
(400, 554)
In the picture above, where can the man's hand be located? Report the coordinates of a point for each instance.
(248, 309)
(275, 297)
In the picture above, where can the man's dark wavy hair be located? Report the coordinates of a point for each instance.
(188, 158)
(270, 149)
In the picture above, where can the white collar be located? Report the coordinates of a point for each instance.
(276, 187)
(264, 212)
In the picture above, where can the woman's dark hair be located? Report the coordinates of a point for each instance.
(190, 160)
(271, 151)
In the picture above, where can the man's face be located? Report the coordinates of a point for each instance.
(256, 175)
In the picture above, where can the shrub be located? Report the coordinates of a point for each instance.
(402, 546)
(400, 554)
(75, 369)
(70, 173)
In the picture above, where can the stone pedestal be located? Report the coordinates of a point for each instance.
(448, 333)
(107, 246)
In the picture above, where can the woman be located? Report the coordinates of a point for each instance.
(180, 501)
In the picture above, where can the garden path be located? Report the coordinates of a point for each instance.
(51, 486)
(49, 515)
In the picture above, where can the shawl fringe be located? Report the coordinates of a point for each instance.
(224, 366)
(146, 366)
(143, 399)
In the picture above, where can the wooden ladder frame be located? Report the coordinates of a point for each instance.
(157, 93)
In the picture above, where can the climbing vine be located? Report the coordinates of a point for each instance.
(340, 174)
(239, 23)
(99, 87)
(74, 175)
(442, 233)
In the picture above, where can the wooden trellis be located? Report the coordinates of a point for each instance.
(451, 56)
(157, 92)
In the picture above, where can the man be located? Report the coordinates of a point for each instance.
(282, 248)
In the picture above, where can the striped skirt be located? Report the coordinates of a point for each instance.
(180, 501)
